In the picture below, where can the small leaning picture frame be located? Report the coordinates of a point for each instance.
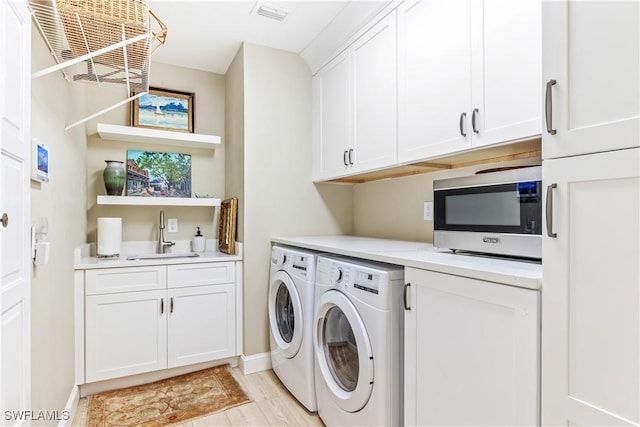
(227, 226)
(164, 109)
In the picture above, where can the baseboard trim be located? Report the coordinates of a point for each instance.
(70, 407)
(255, 363)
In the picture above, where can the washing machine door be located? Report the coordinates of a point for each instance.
(343, 351)
(285, 314)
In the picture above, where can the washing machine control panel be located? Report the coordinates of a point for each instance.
(367, 282)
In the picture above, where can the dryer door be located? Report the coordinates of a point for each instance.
(285, 314)
(343, 351)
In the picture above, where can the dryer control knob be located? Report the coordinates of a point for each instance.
(280, 258)
(336, 275)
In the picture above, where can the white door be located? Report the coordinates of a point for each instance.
(201, 324)
(343, 352)
(434, 78)
(125, 333)
(591, 291)
(375, 101)
(471, 352)
(506, 70)
(331, 123)
(285, 315)
(15, 143)
(591, 51)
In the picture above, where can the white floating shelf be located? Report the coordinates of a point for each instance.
(157, 201)
(155, 136)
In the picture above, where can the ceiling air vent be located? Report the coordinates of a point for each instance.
(269, 11)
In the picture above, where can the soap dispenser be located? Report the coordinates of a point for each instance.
(198, 242)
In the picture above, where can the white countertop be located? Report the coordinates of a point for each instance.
(520, 273)
(85, 258)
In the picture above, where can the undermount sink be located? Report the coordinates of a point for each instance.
(163, 256)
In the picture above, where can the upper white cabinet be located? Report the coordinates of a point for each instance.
(468, 74)
(354, 106)
(591, 57)
(591, 292)
(506, 64)
(434, 77)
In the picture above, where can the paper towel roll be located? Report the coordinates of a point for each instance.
(109, 236)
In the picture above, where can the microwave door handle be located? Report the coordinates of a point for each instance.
(549, 210)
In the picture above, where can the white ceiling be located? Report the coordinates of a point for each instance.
(206, 34)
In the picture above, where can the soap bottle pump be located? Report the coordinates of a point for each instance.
(198, 242)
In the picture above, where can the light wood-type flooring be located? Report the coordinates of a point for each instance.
(272, 405)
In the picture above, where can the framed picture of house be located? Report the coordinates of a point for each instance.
(158, 174)
(227, 226)
(164, 109)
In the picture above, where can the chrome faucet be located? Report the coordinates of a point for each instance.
(162, 244)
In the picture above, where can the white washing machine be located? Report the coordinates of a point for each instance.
(358, 339)
(291, 305)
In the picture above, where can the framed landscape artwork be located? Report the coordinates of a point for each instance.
(156, 174)
(227, 226)
(164, 109)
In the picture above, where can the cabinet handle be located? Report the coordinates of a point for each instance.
(171, 306)
(344, 158)
(404, 296)
(161, 305)
(350, 156)
(548, 108)
(474, 115)
(549, 210)
(463, 117)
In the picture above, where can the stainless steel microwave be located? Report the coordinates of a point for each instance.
(494, 212)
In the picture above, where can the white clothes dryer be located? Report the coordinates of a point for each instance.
(358, 340)
(291, 305)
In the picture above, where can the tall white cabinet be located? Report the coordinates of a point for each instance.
(591, 55)
(591, 241)
(468, 74)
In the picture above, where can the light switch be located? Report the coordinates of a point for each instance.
(172, 225)
(428, 211)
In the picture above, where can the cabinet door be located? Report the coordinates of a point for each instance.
(434, 78)
(471, 352)
(506, 70)
(202, 324)
(592, 51)
(126, 334)
(331, 118)
(374, 106)
(591, 291)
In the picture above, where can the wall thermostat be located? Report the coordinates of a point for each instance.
(40, 162)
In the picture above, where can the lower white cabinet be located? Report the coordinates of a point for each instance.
(126, 334)
(201, 324)
(143, 319)
(471, 352)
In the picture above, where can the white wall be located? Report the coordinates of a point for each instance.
(208, 167)
(234, 136)
(61, 202)
(279, 197)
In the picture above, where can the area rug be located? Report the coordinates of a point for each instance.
(166, 402)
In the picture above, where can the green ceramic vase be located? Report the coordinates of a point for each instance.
(114, 177)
